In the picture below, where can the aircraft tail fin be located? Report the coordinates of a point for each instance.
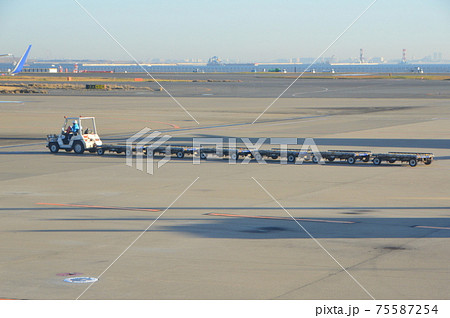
(19, 66)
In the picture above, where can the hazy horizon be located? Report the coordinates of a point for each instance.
(246, 31)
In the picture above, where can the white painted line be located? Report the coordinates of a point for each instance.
(22, 145)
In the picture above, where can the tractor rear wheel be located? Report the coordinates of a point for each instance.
(78, 147)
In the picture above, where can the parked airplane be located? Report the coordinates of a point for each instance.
(19, 66)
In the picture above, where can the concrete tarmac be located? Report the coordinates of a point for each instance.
(226, 237)
(269, 85)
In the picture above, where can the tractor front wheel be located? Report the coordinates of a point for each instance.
(54, 147)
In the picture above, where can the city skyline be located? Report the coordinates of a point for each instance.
(435, 57)
(248, 31)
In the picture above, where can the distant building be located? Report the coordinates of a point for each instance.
(379, 59)
(214, 61)
(437, 56)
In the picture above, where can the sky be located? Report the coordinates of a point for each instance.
(244, 30)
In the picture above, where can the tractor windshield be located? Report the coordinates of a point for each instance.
(67, 124)
(88, 126)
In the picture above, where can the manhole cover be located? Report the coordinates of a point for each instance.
(81, 280)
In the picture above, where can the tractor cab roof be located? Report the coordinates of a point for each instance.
(78, 118)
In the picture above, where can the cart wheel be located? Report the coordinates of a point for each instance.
(128, 152)
(331, 159)
(258, 157)
(78, 147)
(274, 157)
(427, 161)
(202, 155)
(351, 160)
(413, 162)
(100, 151)
(376, 161)
(180, 154)
(366, 159)
(315, 159)
(234, 156)
(392, 160)
(54, 147)
(149, 153)
(291, 158)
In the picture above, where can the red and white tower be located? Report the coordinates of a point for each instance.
(75, 70)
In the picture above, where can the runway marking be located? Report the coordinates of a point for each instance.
(278, 218)
(22, 145)
(99, 207)
(324, 89)
(205, 88)
(432, 227)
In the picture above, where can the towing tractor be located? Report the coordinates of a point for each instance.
(77, 134)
